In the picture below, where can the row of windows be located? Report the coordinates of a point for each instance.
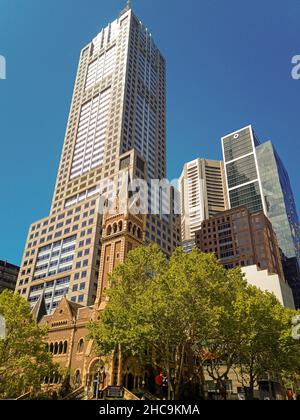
(237, 145)
(248, 196)
(101, 67)
(61, 216)
(81, 197)
(79, 299)
(241, 171)
(91, 134)
(57, 348)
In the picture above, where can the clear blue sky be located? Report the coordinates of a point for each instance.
(229, 64)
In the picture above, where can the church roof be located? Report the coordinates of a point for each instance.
(40, 309)
(73, 307)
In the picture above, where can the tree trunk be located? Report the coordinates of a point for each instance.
(179, 371)
(201, 377)
(250, 390)
(223, 389)
(170, 387)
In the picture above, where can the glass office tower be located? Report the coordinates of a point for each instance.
(282, 211)
(257, 178)
(241, 170)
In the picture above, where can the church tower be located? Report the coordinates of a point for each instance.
(122, 232)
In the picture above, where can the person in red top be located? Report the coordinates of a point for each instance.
(159, 379)
(158, 382)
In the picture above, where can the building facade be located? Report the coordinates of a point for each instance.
(8, 276)
(202, 192)
(271, 283)
(240, 238)
(241, 170)
(103, 207)
(243, 239)
(117, 125)
(282, 211)
(257, 178)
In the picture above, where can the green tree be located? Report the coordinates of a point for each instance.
(267, 348)
(166, 306)
(188, 316)
(24, 361)
(216, 348)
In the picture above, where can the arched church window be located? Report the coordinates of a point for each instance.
(80, 346)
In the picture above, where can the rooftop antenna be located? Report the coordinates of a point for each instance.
(127, 7)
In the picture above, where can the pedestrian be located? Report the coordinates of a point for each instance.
(158, 383)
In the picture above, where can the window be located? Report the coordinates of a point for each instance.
(77, 379)
(80, 346)
(91, 134)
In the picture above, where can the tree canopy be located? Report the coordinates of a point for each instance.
(24, 360)
(191, 309)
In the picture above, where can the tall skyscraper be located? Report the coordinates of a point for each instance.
(282, 211)
(117, 123)
(256, 178)
(202, 190)
(241, 170)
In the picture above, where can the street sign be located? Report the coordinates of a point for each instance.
(2, 328)
(114, 392)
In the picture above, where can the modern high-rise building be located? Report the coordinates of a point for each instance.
(241, 169)
(282, 211)
(8, 275)
(256, 178)
(202, 191)
(117, 124)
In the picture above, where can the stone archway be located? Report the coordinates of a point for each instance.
(97, 377)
